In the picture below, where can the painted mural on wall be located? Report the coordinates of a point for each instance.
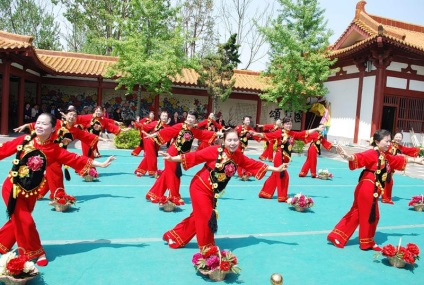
(233, 111)
(183, 103)
(63, 96)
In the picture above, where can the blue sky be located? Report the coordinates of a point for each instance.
(340, 13)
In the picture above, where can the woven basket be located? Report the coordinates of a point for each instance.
(418, 207)
(88, 178)
(300, 209)
(60, 207)
(396, 261)
(9, 280)
(323, 176)
(215, 275)
(168, 206)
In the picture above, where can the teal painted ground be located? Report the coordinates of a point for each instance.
(113, 236)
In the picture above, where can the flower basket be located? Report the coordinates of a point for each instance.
(300, 209)
(16, 269)
(418, 207)
(215, 275)
(396, 261)
(10, 280)
(300, 202)
(399, 256)
(215, 263)
(167, 206)
(88, 178)
(324, 174)
(61, 201)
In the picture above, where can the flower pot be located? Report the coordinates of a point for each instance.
(418, 207)
(396, 261)
(217, 275)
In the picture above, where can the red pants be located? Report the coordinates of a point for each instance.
(310, 163)
(21, 227)
(358, 215)
(54, 176)
(197, 222)
(268, 152)
(279, 181)
(149, 163)
(167, 180)
(388, 187)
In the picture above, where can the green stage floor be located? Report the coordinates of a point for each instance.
(113, 236)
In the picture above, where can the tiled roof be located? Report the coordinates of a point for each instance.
(79, 64)
(365, 28)
(9, 41)
(245, 80)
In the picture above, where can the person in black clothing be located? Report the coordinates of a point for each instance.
(117, 115)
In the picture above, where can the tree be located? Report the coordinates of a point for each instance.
(151, 51)
(28, 17)
(198, 26)
(94, 23)
(236, 17)
(216, 71)
(299, 57)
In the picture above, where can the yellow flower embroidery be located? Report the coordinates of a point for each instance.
(23, 171)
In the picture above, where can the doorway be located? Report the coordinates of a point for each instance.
(388, 118)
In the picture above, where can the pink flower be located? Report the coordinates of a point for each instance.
(187, 136)
(230, 170)
(212, 262)
(35, 163)
(93, 172)
(196, 258)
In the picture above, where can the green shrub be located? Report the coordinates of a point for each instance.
(127, 140)
(298, 146)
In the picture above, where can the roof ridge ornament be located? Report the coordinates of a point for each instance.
(360, 7)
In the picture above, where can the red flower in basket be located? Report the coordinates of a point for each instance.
(211, 260)
(14, 268)
(416, 200)
(408, 254)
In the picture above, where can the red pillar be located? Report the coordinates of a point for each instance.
(100, 92)
(258, 111)
(4, 129)
(21, 93)
(380, 82)
(360, 64)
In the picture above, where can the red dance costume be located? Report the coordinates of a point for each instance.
(317, 140)
(170, 178)
(210, 125)
(280, 181)
(54, 173)
(202, 193)
(139, 126)
(378, 167)
(88, 122)
(149, 163)
(244, 135)
(269, 145)
(21, 227)
(396, 149)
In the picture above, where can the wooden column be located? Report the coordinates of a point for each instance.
(258, 111)
(381, 59)
(4, 127)
(38, 95)
(361, 65)
(100, 91)
(21, 103)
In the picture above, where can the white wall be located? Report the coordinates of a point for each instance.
(367, 107)
(397, 66)
(343, 98)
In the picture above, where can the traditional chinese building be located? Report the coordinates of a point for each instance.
(380, 82)
(34, 76)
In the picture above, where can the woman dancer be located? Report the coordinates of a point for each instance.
(220, 165)
(185, 133)
(34, 154)
(364, 212)
(397, 148)
(285, 138)
(317, 140)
